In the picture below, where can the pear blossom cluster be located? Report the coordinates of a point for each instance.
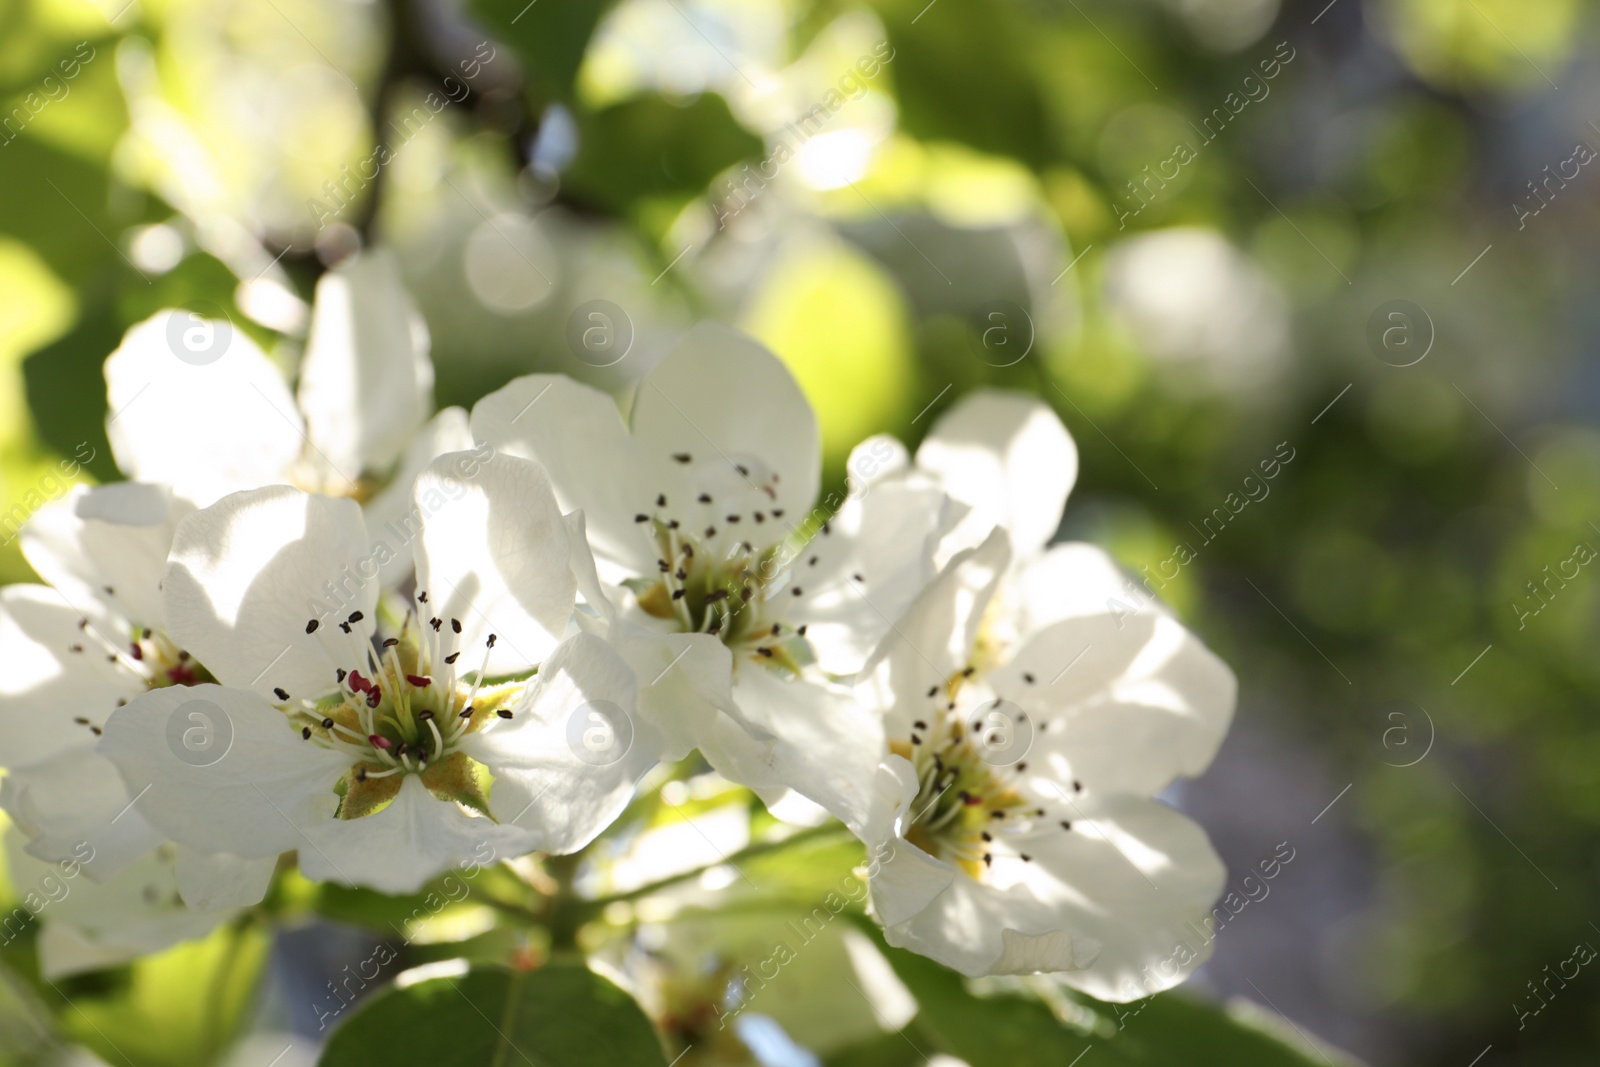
(334, 629)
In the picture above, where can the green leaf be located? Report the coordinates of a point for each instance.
(649, 147)
(952, 83)
(551, 35)
(1169, 1030)
(997, 1031)
(59, 205)
(562, 1015)
(887, 1050)
(1175, 1028)
(177, 1008)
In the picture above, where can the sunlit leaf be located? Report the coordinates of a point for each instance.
(562, 1015)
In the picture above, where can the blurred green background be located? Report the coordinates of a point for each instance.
(1180, 222)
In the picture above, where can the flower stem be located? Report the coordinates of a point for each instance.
(749, 852)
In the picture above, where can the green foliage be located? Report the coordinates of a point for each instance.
(550, 36)
(960, 76)
(1016, 1029)
(179, 1008)
(561, 1015)
(650, 148)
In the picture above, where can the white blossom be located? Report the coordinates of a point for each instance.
(197, 405)
(384, 753)
(71, 652)
(723, 578)
(1029, 723)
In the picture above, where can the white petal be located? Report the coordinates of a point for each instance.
(577, 434)
(685, 683)
(390, 515)
(1123, 705)
(90, 926)
(212, 881)
(1136, 880)
(366, 384)
(580, 560)
(1073, 579)
(904, 879)
(979, 930)
(1126, 887)
(565, 766)
(403, 846)
(226, 771)
(1009, 456)
(865, 572)
(108, 543)
(74, 806)
(493, 555)
(719, 395)
(206, 430)
(43, 684)
(895, 786)
(803, 734)
(64, 952)
(1053, 950)
(935, 638)
(248, 573)
(876, 459)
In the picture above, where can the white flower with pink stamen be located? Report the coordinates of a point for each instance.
(386, 752)
(72, 652)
